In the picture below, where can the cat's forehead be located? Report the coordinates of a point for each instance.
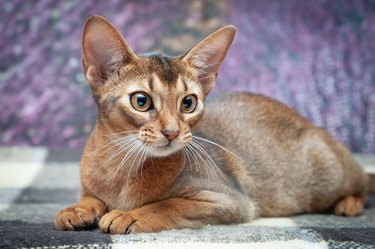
(165, 79)
(166, 68)
(158, 74)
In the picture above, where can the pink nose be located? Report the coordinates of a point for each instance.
(170, 134)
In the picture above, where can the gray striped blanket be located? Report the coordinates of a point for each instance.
(36, 183)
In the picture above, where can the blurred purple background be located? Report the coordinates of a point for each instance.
(316, 56)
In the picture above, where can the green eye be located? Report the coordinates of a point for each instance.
(188, 104)
(141, 101)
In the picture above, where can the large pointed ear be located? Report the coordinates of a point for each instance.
(103, 50)
(209, 54)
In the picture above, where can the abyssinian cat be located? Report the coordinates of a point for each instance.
(161, 158)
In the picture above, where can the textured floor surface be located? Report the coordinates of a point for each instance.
(36, 183)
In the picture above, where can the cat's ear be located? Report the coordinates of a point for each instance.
(209, 54)
(103, 50)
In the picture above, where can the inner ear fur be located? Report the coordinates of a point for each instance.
(208, 55)
(103, 50)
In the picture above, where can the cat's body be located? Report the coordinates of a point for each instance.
(287, 161)
(151, 162)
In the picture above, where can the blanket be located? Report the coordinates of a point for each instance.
(35, 183)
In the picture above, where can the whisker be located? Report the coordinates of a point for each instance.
(122, 132)
(129, 149)
(205, 164)
(123, 148)
(200, 151)
(194, 157)
(206, 159)
(117, 152)
(143, 159)
(212, 162)
(102, 147)
(186, 155)
(218, 145)
(130, 137)
(133, 147)
(131, 166)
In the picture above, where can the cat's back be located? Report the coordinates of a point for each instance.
(251, 114)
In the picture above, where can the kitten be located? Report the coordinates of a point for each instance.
(143, 170)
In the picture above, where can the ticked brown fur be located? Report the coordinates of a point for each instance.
(147, 171)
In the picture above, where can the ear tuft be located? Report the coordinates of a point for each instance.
(209, 54)
(103, 48)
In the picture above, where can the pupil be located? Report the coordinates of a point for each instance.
(141, 100)
(187, 102)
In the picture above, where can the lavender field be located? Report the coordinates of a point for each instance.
(316, 56)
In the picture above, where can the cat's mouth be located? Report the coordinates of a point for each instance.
(165, 149)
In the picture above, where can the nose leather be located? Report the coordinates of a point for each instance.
(170, 134)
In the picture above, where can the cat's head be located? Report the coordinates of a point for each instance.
(157, 97)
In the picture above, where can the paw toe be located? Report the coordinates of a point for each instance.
(349, 206)
(75, 218)
(116, 222)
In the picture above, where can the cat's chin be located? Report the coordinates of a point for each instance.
(163, 151)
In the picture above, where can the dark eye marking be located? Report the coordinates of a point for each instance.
(185, 86)
(151, 84)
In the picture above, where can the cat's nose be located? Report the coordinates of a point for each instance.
(170, 134)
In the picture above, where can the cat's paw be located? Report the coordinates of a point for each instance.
(122, 222)
(76, 218)
(350, 206)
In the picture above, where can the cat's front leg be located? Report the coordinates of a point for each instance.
(176, 213)
(84, 215)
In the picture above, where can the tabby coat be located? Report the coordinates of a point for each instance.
(161, 158)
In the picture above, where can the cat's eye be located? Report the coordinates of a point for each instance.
(188, 104)
(141, 101)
